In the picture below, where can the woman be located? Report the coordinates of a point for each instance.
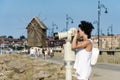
(83, 50)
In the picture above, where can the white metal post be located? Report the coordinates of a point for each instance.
(69, 57)
(68, 71)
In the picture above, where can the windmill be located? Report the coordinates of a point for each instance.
(36, 33)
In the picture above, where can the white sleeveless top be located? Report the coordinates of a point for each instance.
(82, 64)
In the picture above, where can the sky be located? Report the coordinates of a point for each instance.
(15, 15)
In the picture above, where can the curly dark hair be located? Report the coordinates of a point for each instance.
(87, 27)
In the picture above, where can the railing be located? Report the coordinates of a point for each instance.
(109, 56)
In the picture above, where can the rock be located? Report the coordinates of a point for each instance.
(22, 67)
(1, 62)
(41, 75)
(4, 78)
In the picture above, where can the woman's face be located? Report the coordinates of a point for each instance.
(80, 32)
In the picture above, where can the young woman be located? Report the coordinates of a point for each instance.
(83, 50)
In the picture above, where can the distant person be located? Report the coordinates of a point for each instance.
(32, 52)
(83, 49)
(51, 53)
(38, 52)
(48, 52)
(43, 52)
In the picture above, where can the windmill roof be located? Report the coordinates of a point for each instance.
(41, 24)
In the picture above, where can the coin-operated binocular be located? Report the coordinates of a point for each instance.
(69, 55)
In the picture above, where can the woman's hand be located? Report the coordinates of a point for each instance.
(76, 33)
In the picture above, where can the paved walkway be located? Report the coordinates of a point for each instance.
(104, 71)
(114, 67)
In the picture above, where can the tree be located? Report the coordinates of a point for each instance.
(22, 37)
(10, 37)
(3, 36)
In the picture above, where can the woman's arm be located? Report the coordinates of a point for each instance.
(76, 44)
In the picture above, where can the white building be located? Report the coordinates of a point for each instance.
(107, 42)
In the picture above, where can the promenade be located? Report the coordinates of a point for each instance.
(105, 71)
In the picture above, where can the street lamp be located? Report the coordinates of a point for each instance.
(54, 26)
(110, 34)
(99, 13)
(67, 21)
